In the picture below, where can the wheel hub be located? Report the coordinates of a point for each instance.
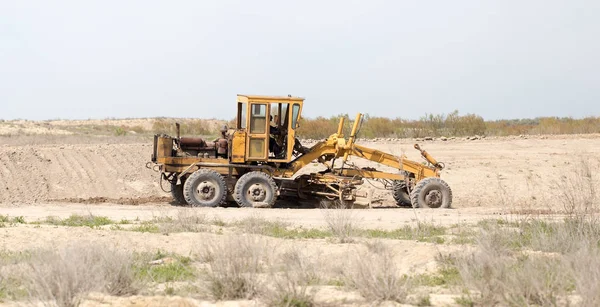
(433, 198)
(206, 190)
(257, 192)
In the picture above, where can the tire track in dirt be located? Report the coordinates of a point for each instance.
(72, 173)
(98, 180)
(38, 165)
(105, 171)
(136, 183)
(56, 163)
(23, 176)
(5, 174)
(13, 178)
(111, 166)
(82, 168)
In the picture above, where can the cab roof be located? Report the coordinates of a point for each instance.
(267, 99)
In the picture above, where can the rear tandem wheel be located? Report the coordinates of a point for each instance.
(255, 189)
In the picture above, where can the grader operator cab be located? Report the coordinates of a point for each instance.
(260, 160)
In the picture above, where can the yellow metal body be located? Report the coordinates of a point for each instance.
(249, 147)
(238, 147)
(335, 148)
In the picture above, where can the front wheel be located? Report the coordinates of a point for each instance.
(255, 189)
(431, 193)
(400, 193)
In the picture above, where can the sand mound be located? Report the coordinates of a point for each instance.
(57, 172)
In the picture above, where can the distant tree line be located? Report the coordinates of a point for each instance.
(448, 125)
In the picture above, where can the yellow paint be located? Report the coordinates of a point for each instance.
(238, 147)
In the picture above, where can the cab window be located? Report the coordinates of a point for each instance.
(295, 114)
(242, 109)
(258, 118)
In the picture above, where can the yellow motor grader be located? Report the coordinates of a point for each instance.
(259, 161)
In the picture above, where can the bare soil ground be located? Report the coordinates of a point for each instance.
(61, 174)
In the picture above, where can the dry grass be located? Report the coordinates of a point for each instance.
(235, 266)
(341, 222)
(539, 262)
(186, 220)
(188, 127)
(65, 276)
(578, 190)
(503, 277)
(584, 264)
(535, 262)
(291, 278)
(376, 276)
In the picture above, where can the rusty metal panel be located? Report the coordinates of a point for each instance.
(164, 147)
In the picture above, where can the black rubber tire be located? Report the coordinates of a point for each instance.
(400, 194)
(177, 194)
(208, 177)
(425, 187)
(260, 180)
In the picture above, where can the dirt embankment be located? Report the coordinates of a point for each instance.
(55, 172)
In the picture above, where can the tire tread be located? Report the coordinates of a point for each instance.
(189, 183)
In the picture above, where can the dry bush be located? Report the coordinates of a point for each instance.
(534, 263)
(376, 276)
(236, 263)
(188, 127)
(374, 127)
(509, 278)
(543, 125)
(383, 127)
(578, 190)
(291, 279)
(186, 220)
(256, 224)
(321, 127)
(469, 124)
(65, 276)
(584, 264)
(341, 222)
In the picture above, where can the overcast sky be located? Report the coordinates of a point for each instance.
(499, 59)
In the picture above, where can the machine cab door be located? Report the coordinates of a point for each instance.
(258, 132)
(294, 118)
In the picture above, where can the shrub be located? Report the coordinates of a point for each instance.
(503, 277)
(452, 124)
(76, 220)
(66, 275)
(235, 264)
(376, 276)
(291, 280)
(188, 127)
(120, 131)
(342, 223)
